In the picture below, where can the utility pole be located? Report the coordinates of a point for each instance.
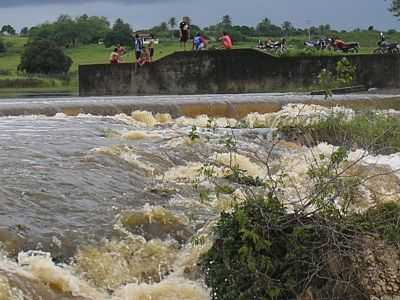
(308, 22)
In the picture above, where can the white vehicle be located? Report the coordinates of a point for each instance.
(146, 37)
(146, 41)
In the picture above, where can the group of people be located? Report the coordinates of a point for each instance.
(145, 55)
(199, 41)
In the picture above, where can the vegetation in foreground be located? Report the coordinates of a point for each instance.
(262, 251)
(319, 247)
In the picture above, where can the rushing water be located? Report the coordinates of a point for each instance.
(104, 207)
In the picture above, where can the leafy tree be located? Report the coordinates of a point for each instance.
(245, 30)
(237, 36)
(395, 8)
(172, 23)
(121, 33)
(8, 29)
(44, 57)
(161, 30)
(68, 32)
(91, 29)
(226, 22)
(43, 31)
(265, 27)
(24, 31)
(287, 28)
(371, 28)
(195, 29)
(324, 29)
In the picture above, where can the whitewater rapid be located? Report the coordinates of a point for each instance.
(104, 207)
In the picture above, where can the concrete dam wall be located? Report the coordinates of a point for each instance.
(230, 106)
(229, 72)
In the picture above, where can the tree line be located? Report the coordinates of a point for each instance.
(69, 32)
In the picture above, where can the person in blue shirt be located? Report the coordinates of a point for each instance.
(138, 46)
(198, 42)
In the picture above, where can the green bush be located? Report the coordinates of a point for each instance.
(121, 33)
(264, 252)
(44, 57)
(377, 133)
(314, 250)
(345, 73)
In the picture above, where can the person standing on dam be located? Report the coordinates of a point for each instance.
(184, 30)
(138, 46)
(151, 47)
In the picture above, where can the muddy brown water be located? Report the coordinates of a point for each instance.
(77, 187)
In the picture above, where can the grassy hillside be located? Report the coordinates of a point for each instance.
(10, 79)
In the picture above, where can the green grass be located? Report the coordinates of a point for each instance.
(98, 54)
(377, 133)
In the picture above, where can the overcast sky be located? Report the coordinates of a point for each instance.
(343, 14)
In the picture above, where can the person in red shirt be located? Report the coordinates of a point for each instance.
(226, 41)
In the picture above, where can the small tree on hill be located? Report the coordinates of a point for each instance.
(24, 31)
(121, 33)
(8, 29)
(287, 28)
(172, 23)
(226, 22)
(44, 57)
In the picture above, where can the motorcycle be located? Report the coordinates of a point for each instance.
(320, 44)
(339, 45)
(277, 47)
(385, 47)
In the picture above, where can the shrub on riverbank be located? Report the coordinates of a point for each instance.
(377, 133)
(317, 248)
(264, 252)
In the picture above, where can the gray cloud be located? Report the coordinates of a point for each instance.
(16, 3)
(342, 14)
